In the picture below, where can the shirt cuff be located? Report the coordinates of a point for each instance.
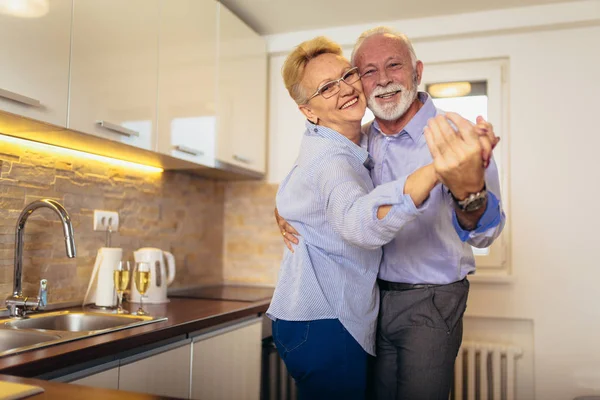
(492, 216)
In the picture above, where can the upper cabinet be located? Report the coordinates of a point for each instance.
(187, 109)
(114, 69)
(184, 79)
(34, 67)
(242, 94)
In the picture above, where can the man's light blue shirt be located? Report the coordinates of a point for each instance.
(329, 198)
(432, 248)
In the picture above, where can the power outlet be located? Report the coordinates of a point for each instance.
(102, 220)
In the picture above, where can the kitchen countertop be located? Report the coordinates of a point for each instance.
(184, 316)
(61, 391)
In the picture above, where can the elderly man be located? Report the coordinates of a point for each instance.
(422, 276)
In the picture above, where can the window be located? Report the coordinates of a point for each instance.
(471, 89)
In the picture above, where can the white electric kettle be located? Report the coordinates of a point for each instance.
(159, 278)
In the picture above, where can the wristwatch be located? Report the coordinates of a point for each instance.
(473, 202)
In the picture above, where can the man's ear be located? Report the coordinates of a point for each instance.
(419, 71)
(308, 113)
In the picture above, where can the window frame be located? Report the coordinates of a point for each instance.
(494, 72)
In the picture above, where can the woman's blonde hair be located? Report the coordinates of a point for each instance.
(295, 64)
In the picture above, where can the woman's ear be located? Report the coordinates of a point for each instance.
(308, 113)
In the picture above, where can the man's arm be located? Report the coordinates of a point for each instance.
(460, 159)
(468, 219)
(287, 231)
(492, 220)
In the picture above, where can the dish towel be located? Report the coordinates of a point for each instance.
(13, 391)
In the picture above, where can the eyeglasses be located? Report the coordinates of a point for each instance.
(329, 89)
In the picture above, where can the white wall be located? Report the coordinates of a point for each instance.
(554, 146)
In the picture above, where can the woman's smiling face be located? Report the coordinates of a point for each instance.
(347, 105)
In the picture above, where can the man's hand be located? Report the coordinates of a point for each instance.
(287, 231)
(457, 156)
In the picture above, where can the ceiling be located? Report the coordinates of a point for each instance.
(279, 16)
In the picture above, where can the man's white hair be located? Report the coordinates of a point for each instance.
(384, 30)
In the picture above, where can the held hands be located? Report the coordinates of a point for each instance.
(460, 158)
(287, 231)
(487, 139)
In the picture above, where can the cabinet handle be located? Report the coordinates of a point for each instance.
(118, 129)
(242, 159)
(19, 98)
(189, 150)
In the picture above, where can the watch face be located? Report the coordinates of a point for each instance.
(475, 204)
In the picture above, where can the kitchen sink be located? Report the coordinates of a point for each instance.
(14, 339)
(46, 329)
(78, 322)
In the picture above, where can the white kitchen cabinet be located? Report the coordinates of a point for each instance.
(164, 371)
(242, 94)
(108, 379)
(34, 67)
(226, 364)
(187, 119)
(114, 70)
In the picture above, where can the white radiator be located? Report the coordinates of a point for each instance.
(485, 371)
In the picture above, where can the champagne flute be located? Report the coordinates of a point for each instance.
(121, 278)
(142, 281)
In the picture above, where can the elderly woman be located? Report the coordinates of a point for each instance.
(325, 305)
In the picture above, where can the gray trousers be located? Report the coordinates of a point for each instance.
(418, 337)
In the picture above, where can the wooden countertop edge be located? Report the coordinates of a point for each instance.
(36, 362)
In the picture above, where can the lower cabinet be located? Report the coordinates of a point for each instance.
(226, 364)
(223, 364)
(162, 372)
(108, 379)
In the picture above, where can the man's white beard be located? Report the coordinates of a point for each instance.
(392, 111)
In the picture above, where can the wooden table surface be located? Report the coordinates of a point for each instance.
(64, 391)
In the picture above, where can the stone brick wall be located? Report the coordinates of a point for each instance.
(173, 211)
(253, 246)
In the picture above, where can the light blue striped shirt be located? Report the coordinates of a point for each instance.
(329, 198)
(432, 248)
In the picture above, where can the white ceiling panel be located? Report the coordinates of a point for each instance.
(280, 16)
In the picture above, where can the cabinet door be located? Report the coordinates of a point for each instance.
(242, 94)
(187, 80)
(226, 366)
(114, 70)
(108, 379)
(164, 374)
(34, 67)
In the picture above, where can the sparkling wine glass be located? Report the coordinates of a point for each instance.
(142, 281)
(121, 277)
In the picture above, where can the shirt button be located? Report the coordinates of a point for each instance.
(316, 130)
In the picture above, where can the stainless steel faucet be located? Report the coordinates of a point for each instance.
(18, 304)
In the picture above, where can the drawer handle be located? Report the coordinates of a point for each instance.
(189, 150)
(242, 159)
(19, 98)
(118, 129)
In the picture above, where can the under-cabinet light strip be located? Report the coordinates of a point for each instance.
(80, 154)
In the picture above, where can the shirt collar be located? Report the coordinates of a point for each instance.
(359, 152)
(415, 126)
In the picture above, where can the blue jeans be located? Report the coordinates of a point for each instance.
(323, 358)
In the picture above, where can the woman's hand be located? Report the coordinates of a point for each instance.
(487, 139)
